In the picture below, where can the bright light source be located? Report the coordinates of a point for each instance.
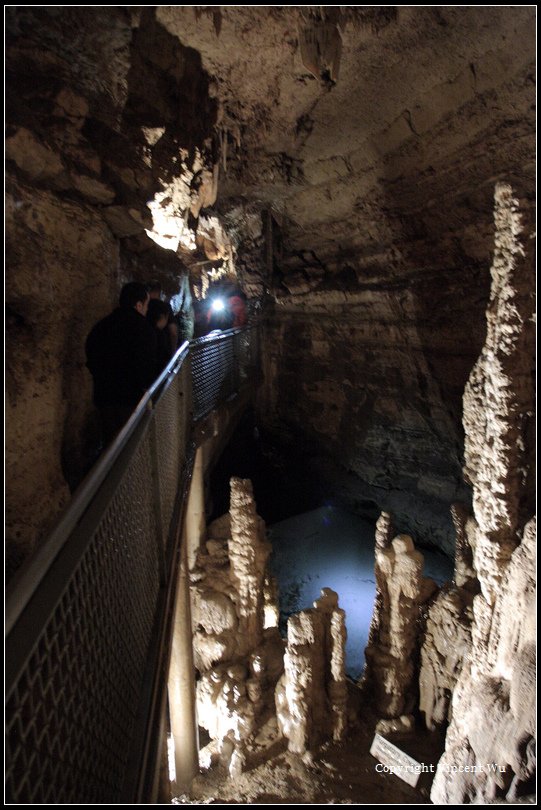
(217, 305)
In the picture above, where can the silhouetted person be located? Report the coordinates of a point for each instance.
(227, 308)
(155, 290)
(220, 316)
(121, 356)
(237, 305)
(158, 315)
(156, 293)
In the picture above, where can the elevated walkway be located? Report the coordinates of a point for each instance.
(90, 616)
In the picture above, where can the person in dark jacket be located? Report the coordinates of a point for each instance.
(121, 355)
(159, 315)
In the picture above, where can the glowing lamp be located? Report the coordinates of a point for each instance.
(217, 305)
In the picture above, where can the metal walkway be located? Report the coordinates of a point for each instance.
(88, 617)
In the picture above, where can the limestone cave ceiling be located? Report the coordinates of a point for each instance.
(430, 107)
(381, 167)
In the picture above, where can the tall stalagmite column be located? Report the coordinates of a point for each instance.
(311, 696)
(248, 554)
(493, 702)
(391, 653)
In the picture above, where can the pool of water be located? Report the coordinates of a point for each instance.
(331, 548)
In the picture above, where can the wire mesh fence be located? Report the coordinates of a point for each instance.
(220, 365)
(84, 615)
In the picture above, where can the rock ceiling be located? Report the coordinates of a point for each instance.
(386, 171)
(430, 106)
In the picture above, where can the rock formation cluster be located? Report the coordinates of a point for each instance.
(477, 656)
(311, 696)
(247, 680)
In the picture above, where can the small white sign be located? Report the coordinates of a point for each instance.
(395, 761)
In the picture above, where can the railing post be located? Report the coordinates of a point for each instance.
(181, 684)
(195, 510)
(235, 361)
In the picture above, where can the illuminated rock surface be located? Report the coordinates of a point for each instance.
(238, 658)
(392, 653)
(311, 696)
(492, 717)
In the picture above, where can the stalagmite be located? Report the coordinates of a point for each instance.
(446, 647)
(248, 553)
(311, 696)
(447, 639)
(493, 702)
(337, 685)
(464, 573)
(238, 656)
(392, 650)
(383, 539)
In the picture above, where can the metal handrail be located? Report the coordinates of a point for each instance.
(51, 602)
(25, 581)
(219, 334)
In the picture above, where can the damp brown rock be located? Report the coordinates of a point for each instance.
(82, 165)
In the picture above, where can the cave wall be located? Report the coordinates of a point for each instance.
(378, 305)
(105, 111)
(381, 188)
(353, 375)
(374, 274)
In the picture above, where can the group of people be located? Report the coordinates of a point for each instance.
(128, 349)
(223, 308)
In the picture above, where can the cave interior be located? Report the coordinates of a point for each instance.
(366, 176)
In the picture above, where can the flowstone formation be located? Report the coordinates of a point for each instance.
(311, 696)
(392, 651)
(491, 737)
